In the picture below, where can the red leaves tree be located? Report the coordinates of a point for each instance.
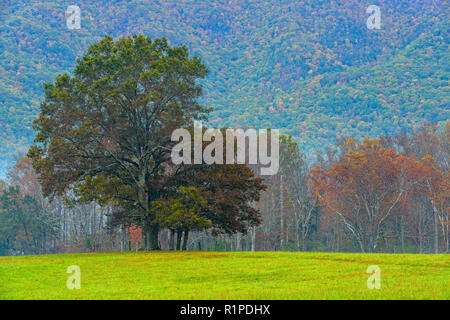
(135, 236)
(365, 187)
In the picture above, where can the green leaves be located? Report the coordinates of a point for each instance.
(182, 211)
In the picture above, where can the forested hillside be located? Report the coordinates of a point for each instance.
(311, 68)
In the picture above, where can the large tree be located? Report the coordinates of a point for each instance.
(105, 134)
(111, 122)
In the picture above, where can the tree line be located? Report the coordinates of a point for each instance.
(378, 195)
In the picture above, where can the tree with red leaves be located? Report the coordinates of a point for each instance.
(135, 236)
(365, 187)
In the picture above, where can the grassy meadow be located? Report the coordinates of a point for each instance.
(225, 275)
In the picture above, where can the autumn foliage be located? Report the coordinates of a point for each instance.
(370, 183)
(135, 235)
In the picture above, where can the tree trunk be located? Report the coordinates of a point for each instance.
(297, 233)
(171, 239)
(446, 235)
(281, 214)
(436, 231)
(64, 226)
(361, 243)
(238, 242)
(436, 222)
(303, 238)
(185, 239)
(402, 233)
(153, 242)
(179, 234)
(253, 238)
(145, 236)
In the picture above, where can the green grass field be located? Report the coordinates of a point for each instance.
(225, 275)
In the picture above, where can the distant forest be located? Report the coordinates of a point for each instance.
(310, 68)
